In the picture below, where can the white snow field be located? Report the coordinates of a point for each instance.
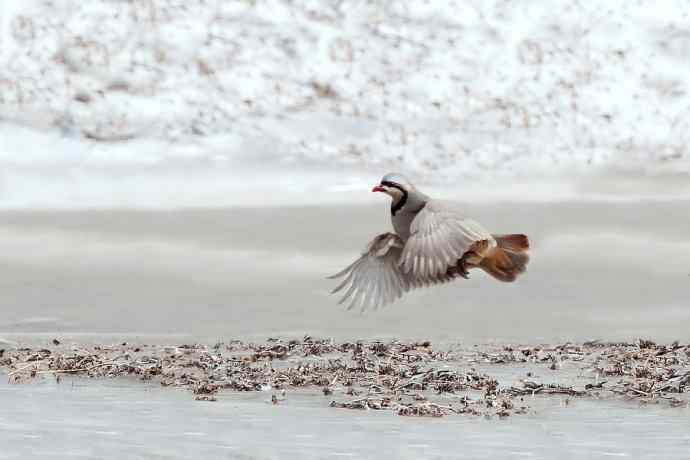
(168, 103)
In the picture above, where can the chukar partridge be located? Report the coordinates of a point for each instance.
(433, 243)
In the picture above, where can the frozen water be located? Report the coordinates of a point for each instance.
(598, 270)
(96, 419)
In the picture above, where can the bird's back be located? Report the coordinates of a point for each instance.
(404, 221)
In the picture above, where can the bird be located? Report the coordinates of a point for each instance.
(432, 243)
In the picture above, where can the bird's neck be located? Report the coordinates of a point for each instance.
(408, 201)
(403, 217)
(400, 202)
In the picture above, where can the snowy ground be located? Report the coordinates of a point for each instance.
(185, 102)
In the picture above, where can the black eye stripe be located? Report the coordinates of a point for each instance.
(393, 185)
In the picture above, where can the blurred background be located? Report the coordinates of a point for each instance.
(197, 167)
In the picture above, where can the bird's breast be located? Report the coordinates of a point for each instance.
(401, 224)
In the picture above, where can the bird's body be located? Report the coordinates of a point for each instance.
(433, 243)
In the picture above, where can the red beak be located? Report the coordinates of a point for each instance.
(378, 188)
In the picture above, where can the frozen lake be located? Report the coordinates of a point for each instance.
(610, 270)
(113, 419)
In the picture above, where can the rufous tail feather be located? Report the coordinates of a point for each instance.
(509, 259)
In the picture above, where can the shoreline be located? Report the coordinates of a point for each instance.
(407, 378)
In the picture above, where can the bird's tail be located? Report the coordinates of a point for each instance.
(508, 259)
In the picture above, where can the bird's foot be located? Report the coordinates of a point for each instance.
(462, 269)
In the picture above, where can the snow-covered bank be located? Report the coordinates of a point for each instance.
(187, 103)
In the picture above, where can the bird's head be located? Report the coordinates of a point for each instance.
(399, 188)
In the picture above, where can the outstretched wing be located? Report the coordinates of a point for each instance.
(439, 236)
(376, 278)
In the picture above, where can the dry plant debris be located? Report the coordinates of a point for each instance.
(409, 378)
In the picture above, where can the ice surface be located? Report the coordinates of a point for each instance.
(96, 419)
(614, 272)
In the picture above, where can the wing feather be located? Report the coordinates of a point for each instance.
(376, 278)
(439, 236)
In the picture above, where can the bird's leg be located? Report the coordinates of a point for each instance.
(464, 268)
(460, 269)
(463, 271)
(470, 259)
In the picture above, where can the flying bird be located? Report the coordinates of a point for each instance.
(433, 243)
